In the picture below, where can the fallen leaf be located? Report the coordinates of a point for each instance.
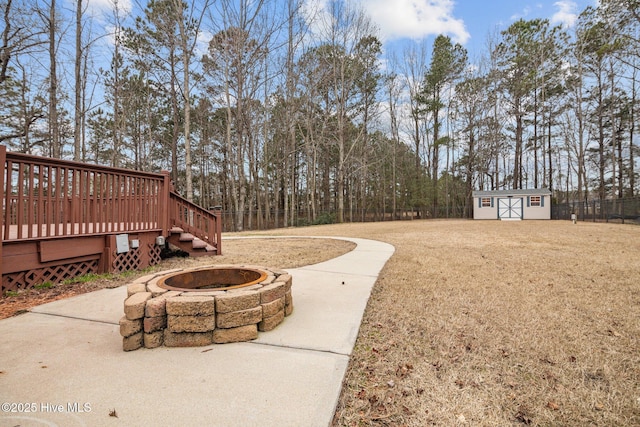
(403, 370)
(523, 417)
(548, 360)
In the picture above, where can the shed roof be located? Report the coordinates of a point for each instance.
(515, 192)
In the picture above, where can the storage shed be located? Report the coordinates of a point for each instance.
(512, 204)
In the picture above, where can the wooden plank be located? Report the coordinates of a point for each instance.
(53, 250)
(27, 262)
(19, 257)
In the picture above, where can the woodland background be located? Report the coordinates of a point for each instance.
(285, 116)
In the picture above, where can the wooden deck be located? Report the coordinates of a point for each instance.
(61, 219)
(55, 230)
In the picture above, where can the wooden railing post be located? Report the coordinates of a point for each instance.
(163, 203)
(3, 158)
(217, 211)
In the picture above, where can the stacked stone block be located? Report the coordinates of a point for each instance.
(155, 316)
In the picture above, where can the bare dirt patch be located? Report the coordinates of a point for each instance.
(278, 253)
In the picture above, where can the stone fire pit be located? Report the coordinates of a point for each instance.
(202, 306)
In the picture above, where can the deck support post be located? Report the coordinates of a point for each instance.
(164, 203)
(218, 213)
(3, 159)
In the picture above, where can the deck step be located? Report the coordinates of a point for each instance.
(187, 237)
(199, 243)
(190, 243)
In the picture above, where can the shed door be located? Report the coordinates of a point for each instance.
(510, 208)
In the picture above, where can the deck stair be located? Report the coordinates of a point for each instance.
(189, 243)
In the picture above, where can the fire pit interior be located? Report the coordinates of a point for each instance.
(202, 306)
(220, 279)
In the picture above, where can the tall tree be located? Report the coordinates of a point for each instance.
(594, 41)
(470, 97)
(54, 130)
(344, 28)
(154, 43)
(413, 70)
(78, 84)
(447, 63)
(516, 55)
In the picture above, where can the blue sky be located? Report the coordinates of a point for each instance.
(468, 22)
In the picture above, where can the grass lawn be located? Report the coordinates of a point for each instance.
(497, 323)
(482, 322)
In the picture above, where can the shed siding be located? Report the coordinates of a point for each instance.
(485, 213)
(528, 212)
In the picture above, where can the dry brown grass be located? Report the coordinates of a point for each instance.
(487, 323)
(281, 253)
(498, 323)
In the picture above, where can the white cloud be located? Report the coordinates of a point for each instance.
(566, 14)
(521, 15)
(396, 19)
(124, 6)
(101, 10)
(415, 18)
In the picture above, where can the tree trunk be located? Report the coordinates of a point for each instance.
(78, 85)
(54, 132)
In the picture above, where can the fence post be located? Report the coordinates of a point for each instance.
(3, 159)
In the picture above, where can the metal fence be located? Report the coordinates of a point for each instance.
(626, 210)
(611, 210)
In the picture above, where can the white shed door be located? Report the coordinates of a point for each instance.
(510, 208)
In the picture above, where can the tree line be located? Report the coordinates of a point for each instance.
(283, 114)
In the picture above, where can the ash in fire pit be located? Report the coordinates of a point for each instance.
(201, 306)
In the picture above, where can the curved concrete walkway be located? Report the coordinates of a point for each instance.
(62, 364)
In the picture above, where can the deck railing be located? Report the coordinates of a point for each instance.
(49, 198)
(195, 220)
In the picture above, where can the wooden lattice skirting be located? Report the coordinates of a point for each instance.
(54, 274)
(73, 258)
